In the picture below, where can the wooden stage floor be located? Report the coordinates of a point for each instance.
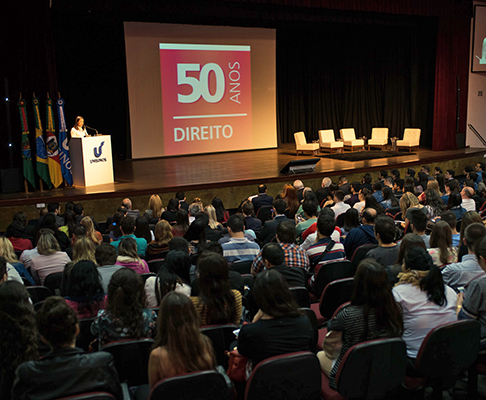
(163, 175)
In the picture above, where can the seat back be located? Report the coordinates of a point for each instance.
(85, 337)
(332, 271)
(412, 135)
(348, 134)
(38, 293)
(147, 275)
(300, 138)
(309, 312)
(295, 376)
(360, 253)
(202, 385)
(131, 359)
(448, 350)
(90, 396)
(336, 293)
(154, 265)
(264, 213)
(371, 369)
(379, 133)
(243, 267)
(301, 295)
(326, 136)
(54, 282)
(221, 336)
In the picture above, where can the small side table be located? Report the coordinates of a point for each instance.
(365, 139)
(394, 143)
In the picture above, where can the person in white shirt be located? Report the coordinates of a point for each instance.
(78, 130)
(467, 201)
(339, 206)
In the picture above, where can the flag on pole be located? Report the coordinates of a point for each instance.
(64, 147)
(26, 153)
(40, 146)
(52, 148)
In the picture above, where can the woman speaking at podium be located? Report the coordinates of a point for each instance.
(78, 129)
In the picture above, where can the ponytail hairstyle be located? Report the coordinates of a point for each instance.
(432, 283)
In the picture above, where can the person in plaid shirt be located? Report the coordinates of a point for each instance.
(294, 255)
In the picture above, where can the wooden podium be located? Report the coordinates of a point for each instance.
(91, 160)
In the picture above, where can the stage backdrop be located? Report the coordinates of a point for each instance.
(199, 89)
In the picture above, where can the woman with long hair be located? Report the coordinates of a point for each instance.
(18, 335)
(179, 346)
(84, 249)
(196, 236)
(182, 223)
(371, 202)
(114, 229)
(213, 220)
(425, 300)
(49, 222)
(85, 294)
(172, 276)
(7, 252)
(408, 202)
(129, 258)
(289, 194)
(441, 249)
(389, 199)
(372, 314)
(409, 240)
(91, 233)
(142, 229)
(170, 214)
(351, 221)
(163, 235)
(79, 129)
(154, 211)
(433, 203)
(126, 315)
(222, 214)
(431, 185)
(363, 193)
(454, 204)
(279, 327)
(70, 223)
(216, 303)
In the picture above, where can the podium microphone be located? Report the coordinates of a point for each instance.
(94, 129)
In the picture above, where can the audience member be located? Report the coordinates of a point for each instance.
(222, 214)
(49, 222)
(193, 209)
(454, 204)
(170, 214)
(353, 197)
(8, 253)
(273, 256)
(263, 199)
(15, 232)
(440, 245)
(127, 227)
(409, 240)
(389, 199)
(114, 229)
(323, 191)
(310, 216)
(251, 222)
(269, 229)
(182, 201)
(387, 251)
(78, 210)
(408, 203)
(377, 192)
(163, 235)
(299, 186)
(238, 248)
(362, 195)
(467, 199)
(91, 233)
(434, 206)
(127, 203)
(351, 221)
(106, 259)
(154, 211)
(450, 218)
(339, 206)
(129, 258)
(182, 223)
(468, 218)
(418, 224)
(363, 234)
(344, 184)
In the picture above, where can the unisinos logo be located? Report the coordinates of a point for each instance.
(97, 153)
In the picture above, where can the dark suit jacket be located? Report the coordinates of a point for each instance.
(345, 187)
(262, 199)
(270, 228)
(322, 194)
(293, 275)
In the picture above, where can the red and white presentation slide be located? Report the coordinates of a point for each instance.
(196, 89)
(206, 97)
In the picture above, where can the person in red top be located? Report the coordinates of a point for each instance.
(14, 233)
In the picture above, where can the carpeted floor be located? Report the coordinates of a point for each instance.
(365, 155)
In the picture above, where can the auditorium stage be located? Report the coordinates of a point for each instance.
(189, 173)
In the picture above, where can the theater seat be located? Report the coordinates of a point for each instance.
(349, 138)
(411, 138)
(301, 144)
(327, 140)
(379, 138)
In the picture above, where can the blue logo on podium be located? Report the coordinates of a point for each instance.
(98, 151)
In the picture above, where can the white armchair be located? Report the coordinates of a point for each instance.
(411, 138)
(302, 145)
(327, 140)
(379, 138)
(349, 137)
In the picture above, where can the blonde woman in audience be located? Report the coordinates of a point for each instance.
(84, 249)
(441, 249)
(91, 233)
(129, 258)
(213, 221)
(7, 252)
(154, 211)
(408, 202)
(163, 235)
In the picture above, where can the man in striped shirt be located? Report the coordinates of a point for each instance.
(238, 248)
(335, 252)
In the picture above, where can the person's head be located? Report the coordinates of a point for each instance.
(79, 122)
(155, 204)
(57, 323)
(54, 208)
(410, 172)
(173, 205)
(388, 194)
(450, 218)
(247, 208)
(298, 184)
(372, 290)
(122, 210)
(126, 299)
(431, 282)
(454, 200)
(441, 238)
(272, 295)
(115, 225)
(354, 187)
(426, 169)
(16, 229)
(128, 248)
(409, 240)
(398, 184)
(49, 221)
(342, 179)
(3, 270)
(79, 231)
(142, 229)
(363, 193)
(325, 225)
(369, 215)
(194, 208)
(408, 200)
(286, 232)
(180, 196)
(468, 218)
(197, 232)
(371, 202)
(279, 206)
(384, 229)
(367, 178)
(182, 218)
(78, 209)
(480, 166)
(47, 243)
(178, 332)
(480, 251)
(377, 186)
(473, 234)
(84, 249)
(179, 243)
(105, 254)
(389, 181)
(467, 192)
(127, 225)
(178, 262)
(326, 182)
(395, 173)
(382, 174)
(449, 174)
(262, 189)
(418, 221)
(127, 203)
(273, 254)
(84, 281)
(7, 250)
(235, 224)
(468, 169)
(433, 199)
(338, 196)
(90, 230)
(163, 232)
(310, 209)
(214, 288)
(437, 170)
(351, 219)
(217, 203)
(423, 179)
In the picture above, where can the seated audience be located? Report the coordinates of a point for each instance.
(249, 213)
(216, 303)
(387, 251)
(468, 218)
(182, 201)
(290, 196)
(263, 199)
(339, 206)
(363, 193)
(389, 199)
(49, 222)
(106, 259)
(179, 346)
(433, 203)
(114, 229)
(238, 248)
(154, 211)
(215, 227)
(91, 233)
(182, 223)
(418, 225)
(450, 218)
(273, 257)
(425, 300)
(128, 257)
(269, 229)
(7, 252)
(351, 221)
(126, 315)
(66, 370)
(279, 327)
(163, 235)
(408, 203)
(142, 230)
(441, 249)
(15, 232)
(363, 234)
(172, 276)
(127, 203)
(127, 227)
(467, 199)
(409, 240)
(454, 204)
(372, 314)
(310, 210)
(222, 215)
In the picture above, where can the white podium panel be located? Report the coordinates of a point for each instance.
(91, 160)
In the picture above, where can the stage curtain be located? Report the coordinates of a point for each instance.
(355, 75)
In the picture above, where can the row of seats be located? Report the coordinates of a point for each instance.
(379, 138)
